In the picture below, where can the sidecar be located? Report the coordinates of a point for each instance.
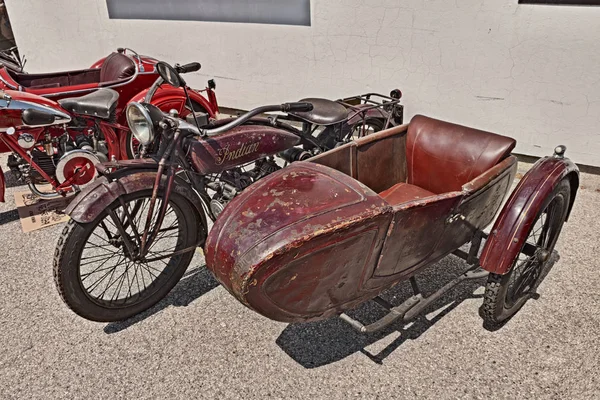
(322, 236)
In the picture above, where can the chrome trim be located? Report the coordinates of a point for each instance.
(42, 195)
(60, 117)
(148, 118)
(7, 84)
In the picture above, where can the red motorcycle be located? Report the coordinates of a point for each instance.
(58, 142)
(129, 74)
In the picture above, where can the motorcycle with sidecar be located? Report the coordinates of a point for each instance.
(321, 237)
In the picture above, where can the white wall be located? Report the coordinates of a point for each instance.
(531, 72)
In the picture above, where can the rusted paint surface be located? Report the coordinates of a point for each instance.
(310, 241)
(298, 245)
(512, 226)
(237, 147)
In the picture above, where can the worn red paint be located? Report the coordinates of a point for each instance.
(309, 242)
(512, 226)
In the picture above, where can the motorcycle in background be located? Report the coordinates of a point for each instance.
(59, 142)
(131, 75)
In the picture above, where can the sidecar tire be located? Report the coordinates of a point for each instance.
(495, 309)
(66, 269)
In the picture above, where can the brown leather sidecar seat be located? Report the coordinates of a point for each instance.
(116, 67)
(441, 157)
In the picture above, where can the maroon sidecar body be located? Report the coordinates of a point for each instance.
(323, 236)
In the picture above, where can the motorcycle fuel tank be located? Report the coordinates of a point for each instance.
(237, 147)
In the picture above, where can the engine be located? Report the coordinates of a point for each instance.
(231, 182)
(64, 158)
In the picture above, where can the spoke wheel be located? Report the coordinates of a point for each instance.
(371, 125)
(99, 269)
(506, 294)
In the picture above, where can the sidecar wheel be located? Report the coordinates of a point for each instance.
(371, 125)
(506, 294)
(100, 280)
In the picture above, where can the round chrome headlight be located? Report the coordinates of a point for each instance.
(140, 123)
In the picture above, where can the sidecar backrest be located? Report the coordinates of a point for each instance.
(377, 161)
(442, 157)
(116, 67)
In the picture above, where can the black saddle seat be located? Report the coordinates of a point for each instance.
(325, 112)
(101, 103)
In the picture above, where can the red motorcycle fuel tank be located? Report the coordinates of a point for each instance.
(237, 147)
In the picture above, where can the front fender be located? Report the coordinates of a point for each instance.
(512, 226)
(2, 185)
(90, 203)
(168, 97)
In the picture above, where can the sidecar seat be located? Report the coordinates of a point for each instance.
(116, 67)
(441, 157)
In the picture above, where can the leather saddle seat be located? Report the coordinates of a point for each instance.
(116, 67)
(441, 157)
(101, 104)
(325, 112)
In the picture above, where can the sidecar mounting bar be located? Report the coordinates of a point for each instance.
(416, 304)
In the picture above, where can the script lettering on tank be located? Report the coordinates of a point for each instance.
(228, 154)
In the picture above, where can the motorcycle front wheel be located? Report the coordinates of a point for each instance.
(96, 275)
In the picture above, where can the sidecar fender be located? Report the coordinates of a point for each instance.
(88, 205)
(512, 226)
(2, 185)
(167, 98)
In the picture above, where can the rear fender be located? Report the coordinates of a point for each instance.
(2, 185)
(512, 226)
(90, 203)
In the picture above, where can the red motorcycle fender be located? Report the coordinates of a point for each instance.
(512, 226)
(167, 98)
(2, 185)
(88, 205)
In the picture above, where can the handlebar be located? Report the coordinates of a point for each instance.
(191, 67)
(286, 107)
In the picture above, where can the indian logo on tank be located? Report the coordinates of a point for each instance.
(227, 154)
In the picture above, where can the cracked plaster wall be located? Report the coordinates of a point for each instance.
(531, 72)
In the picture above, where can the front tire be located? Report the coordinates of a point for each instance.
(98, 278)
(506, 294)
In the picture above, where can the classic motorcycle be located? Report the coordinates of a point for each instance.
(129, 74)
(321, 237)
(59, 142)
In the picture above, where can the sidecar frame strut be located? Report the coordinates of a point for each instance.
(412, 307)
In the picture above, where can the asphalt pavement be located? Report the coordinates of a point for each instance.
(201, 343)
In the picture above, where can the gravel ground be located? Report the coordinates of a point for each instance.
(200, 343)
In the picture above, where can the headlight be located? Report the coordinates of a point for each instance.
(140, 123)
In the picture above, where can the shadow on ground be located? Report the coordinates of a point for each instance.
(320, 343)
(194, 284)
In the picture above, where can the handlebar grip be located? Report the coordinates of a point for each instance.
(191, 67)
(297, 107)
